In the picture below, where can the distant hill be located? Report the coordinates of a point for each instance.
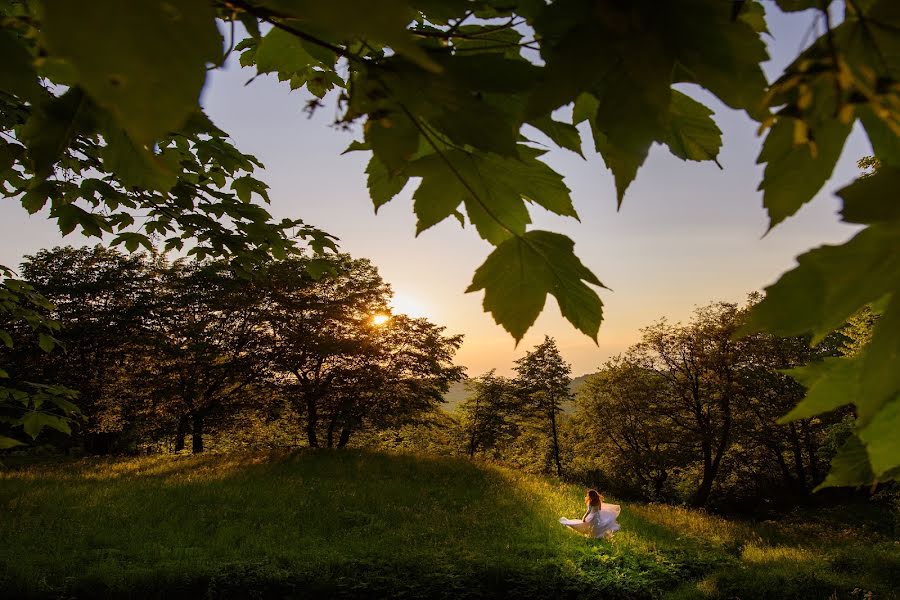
(458, 393)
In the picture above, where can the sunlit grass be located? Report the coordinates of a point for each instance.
(352, 524)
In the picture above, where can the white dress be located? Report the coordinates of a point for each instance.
(600, 521)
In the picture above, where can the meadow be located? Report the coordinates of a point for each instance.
(353, 524)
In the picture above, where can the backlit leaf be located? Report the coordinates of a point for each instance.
(830, 384)
(872, 199)
(796, 172)
(53, 125)
(519, 273)
(692, 134)
(382, 185)
(153, 50)
(563, 135)
(850, 466)
(17, 74)
(384, 21)
(829, 284)
(282, 52)
(34, 421)
(8, 442)
(881, 439)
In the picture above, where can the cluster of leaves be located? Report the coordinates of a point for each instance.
(37, 405)
(851, 73)
(448, 93)
(118, 146)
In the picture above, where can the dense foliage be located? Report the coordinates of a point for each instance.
(100, 119)
(691, 412)
(160, 351)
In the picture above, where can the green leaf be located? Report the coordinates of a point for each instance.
(153, 50)
(246, 186)
(493, 188)
(692, 134)
(52, 126)
(17, 74)
(533, 180)
(6, 338)
(8, 442)
(795, 173)
(881, 439)
(36, 197)
(46, 342)
(850, 466)
(137, 167)
(798, 5)
(830, 384)
(563, 135)
(753, 14)
(443, 188)
(282, 52)
(872, 199)
(519, 273)
(384, 21)
(394, 139)
(34, 421)
(318, 267)
(584, 109)
(461, 108)
(63, 404)
(885, 142)
(357, 146)
(880, 375)
(382, 185)
(829, 284)
(717, 52)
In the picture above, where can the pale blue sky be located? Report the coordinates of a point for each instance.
(687, 233)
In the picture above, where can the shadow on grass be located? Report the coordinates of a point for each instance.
(332, 524)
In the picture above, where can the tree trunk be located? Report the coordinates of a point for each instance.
(555, 443)
(329, 440)
(799, 466)
(345, 436)
(180, 432)
(473, 439)
(658, 481)
(702, 494)
(811, 451)
(197, 433)
(312, 421)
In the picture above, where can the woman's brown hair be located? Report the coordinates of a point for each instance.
(594, 497)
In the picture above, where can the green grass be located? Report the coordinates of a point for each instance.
(357, 524)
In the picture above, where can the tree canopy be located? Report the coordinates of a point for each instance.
(100, 118)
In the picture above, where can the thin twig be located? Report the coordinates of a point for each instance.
(227, 52)
(271, 17)
(832, 50)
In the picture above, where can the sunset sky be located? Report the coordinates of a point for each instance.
(687, 233)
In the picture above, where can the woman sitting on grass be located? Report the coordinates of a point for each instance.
(599, 519)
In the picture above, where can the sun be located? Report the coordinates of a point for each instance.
(378, 320)
(405, 304)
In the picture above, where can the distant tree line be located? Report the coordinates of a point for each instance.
(165, 354)
(184, 355)
(690, 413)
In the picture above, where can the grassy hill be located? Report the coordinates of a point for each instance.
(353, 524)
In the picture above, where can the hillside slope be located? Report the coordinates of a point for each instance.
(353, 524)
